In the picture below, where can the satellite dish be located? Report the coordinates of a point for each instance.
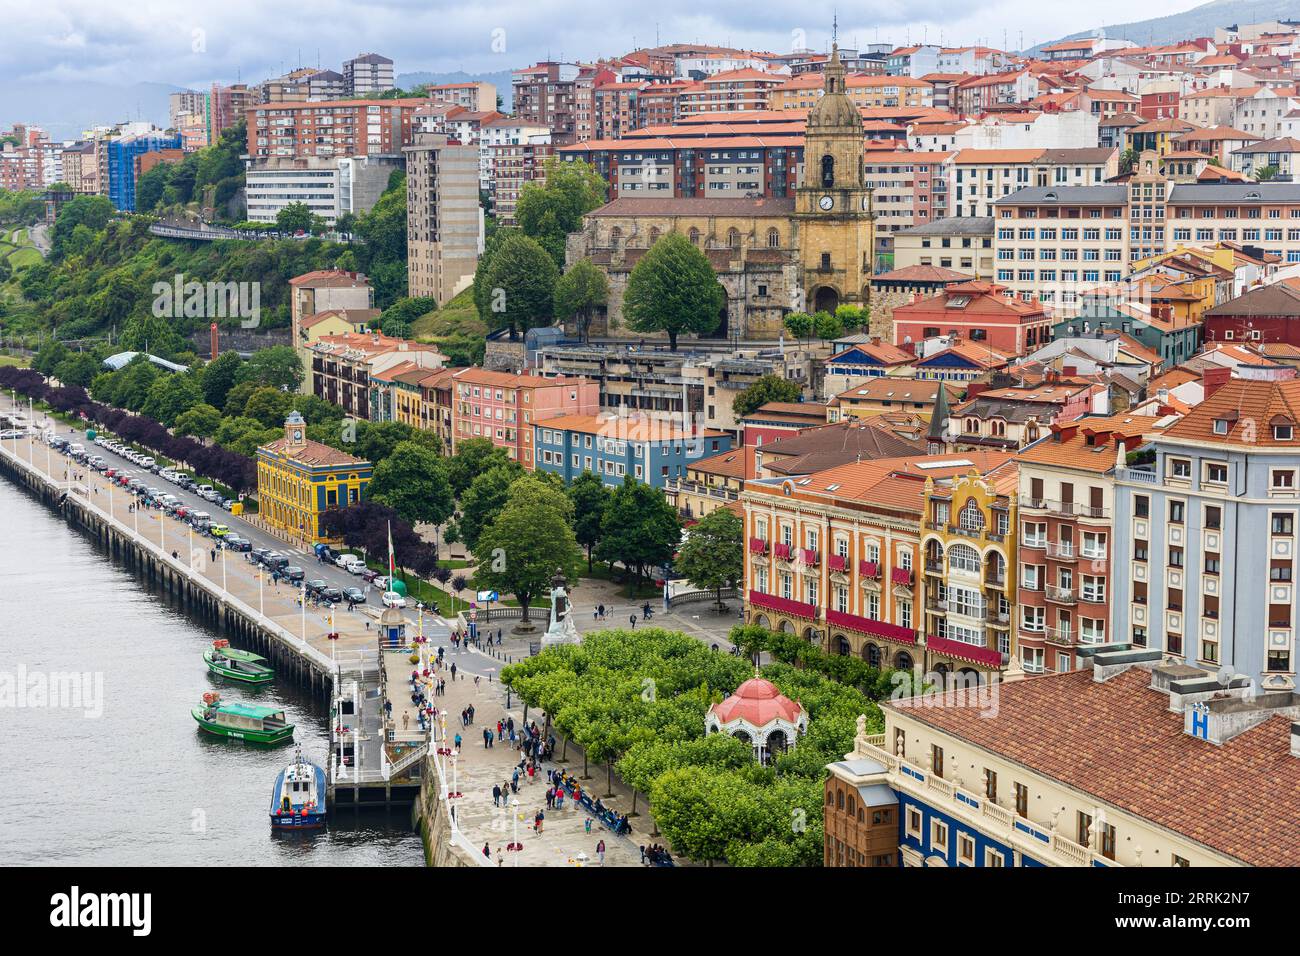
(1225, 675)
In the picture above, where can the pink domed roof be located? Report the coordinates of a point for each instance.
(759, 702)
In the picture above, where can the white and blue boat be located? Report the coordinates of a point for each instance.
(298, 799)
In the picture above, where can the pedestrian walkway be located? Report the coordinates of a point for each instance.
(564, 839)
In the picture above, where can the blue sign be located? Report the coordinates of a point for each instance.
(487, 596)
(1201, 723)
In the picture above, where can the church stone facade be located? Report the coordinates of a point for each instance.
(773, 255)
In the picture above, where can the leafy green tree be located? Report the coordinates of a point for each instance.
(219, 376)
(519, 551)
(799, 324)
(853, 316)
(473, 457)
(151, 334)
(551, 208)
(278, 365)
(49, 356)
(375, 441)
(712, 557)
(243, 435)
(640, 529)
(590, 497)
(269, 405)
(1266, 173)
(79, 368)
(485, 497)
(413, 482)
(294, 218)
(827, 326)
(201, 421)
(170, 396)
(673, 289)
(769, 388)
(92, 211)
(520, 286)
(580, 292)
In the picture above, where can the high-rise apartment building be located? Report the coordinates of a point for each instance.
(367, 73)
(443, 220)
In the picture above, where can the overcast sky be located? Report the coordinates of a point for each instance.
(194, 42)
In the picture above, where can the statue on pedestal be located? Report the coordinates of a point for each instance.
(562, 630)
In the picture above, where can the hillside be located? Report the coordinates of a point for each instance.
(1196, 22)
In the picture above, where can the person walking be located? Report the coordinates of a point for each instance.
(496, 794)
(453, 671)
(600, 851)
(632, 620)
(457, 741)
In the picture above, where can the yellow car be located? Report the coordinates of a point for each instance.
(219, 530)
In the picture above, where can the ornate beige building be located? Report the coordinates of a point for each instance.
(773, 255)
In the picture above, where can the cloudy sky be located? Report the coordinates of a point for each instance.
(194, 42)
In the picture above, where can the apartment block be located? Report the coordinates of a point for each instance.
(367, 73)
(503, 407)
(444, 231)
(613, 447)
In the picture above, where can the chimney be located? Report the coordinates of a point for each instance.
(212, 337)
(1214, 379)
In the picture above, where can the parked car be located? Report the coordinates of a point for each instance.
(355, 566)
(218, 531)
(276, 561)
(203, 490)
(293, 573)
(331, 594)
(354, 596)
(369, 575)
(316, 585)
(237, 543)
(226, 504)
(393, 599)
(261, 554)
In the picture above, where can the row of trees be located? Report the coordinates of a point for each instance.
(636, 702)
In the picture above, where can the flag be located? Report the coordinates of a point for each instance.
(390, 556)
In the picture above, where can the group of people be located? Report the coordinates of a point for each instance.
(656, 855)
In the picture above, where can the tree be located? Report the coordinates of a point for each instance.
(170, 396)
(294, 218)
(413, 482)
(828, 326)
(1128, 160)
(78, 369)
(278, 365)
(375, 441)
(519, 285)
(520, 550)
(94, 212)
(799, 325)
(590, 497)
(769, 388)
(640, 529)
(712, 558)
(201, 421)
(579, 292)
(485, 497)
(551, 208)
(218, 377)
(852, 316)
(148, 333)
(1266, 173)
(473, 457)
(269, 405)
(673, 289)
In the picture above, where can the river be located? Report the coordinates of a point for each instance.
(124, 778)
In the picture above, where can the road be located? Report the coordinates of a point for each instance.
(176, 535)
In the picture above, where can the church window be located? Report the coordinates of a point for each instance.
(773, 239)
(695, 236)
(733, 238)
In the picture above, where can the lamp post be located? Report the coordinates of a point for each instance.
(302, 602)
(516, 847)
(455, 777)
(261, 604)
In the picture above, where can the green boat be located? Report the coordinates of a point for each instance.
(261, 725)
(237, 665)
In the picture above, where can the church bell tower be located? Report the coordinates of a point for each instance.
(833, 211)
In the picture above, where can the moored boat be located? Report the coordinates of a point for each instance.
(298, 798)
(260, 725)
(237, 665)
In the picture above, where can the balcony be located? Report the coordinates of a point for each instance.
(1137, 476)
(1058, 595)
(757, 546)
(934, 567)
(901, 576)
(1033, 504)
(1061, 551)
(809, 556)
(1060, 636)
(837, 562)
(868, 569)
(781, 550)
(784, 605)
(1035, 543)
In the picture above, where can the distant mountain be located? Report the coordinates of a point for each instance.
(66, 109)
(1197, 22)
(500, 79)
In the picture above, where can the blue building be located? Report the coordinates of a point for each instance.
(613, 447)
(122, 154)
(1174, 340)
(1207, 534)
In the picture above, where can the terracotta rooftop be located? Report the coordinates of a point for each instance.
(1118, 742)
(1249, 410)
(825, 446)
(626, 429)
(1089, 443)
(313, 453)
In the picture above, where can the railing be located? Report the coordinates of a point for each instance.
(689, 597)
(1033, 543)
(1137, 476)
(901, 577)
(1061, 595)
(1063, 636)
(1061, 551)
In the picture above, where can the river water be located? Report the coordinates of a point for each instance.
(124, 777)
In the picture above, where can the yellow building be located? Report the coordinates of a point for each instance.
(711, 483)
(299, 479)
(968, 547)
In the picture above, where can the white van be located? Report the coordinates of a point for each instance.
(352, 564)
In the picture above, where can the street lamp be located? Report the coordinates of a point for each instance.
(515, 847)
(455, 793)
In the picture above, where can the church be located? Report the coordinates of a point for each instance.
(774, 255)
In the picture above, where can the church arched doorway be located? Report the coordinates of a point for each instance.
(826, 299)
